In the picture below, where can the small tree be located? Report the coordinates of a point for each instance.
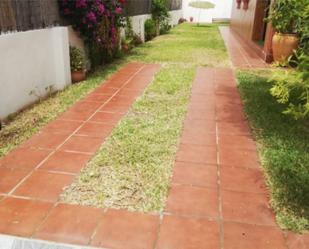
(159, 12)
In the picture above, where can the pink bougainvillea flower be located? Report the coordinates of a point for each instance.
(118, 10)
(81, 4)
(101, 8)
(91, 16)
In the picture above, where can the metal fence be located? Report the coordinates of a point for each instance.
(22, 15)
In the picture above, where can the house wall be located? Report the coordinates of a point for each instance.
(32, 61)
(222, 10)
(242, 21)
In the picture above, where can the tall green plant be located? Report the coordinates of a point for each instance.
(286, 14)
(159, 12)
(292, 88)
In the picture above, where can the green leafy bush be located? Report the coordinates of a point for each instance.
(159, 12)
(77, 60)
(150, 29)
(292, 88)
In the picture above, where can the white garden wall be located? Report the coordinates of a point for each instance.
(222, 10)
(32, 61)
(139, 21)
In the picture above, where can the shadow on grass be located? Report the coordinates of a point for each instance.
(285, 151)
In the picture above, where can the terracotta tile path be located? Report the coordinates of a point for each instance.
(217, 196)
(241, 54)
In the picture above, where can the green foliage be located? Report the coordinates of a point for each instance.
(165, 27)
(285, 15)
(303, 29)
(292, 88)
(284, 150)
(150, 29)
(77, 60)
(202, 4)
(159, 12)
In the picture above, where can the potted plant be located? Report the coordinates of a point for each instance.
(191, 18)
(77, 62)
(284, 16)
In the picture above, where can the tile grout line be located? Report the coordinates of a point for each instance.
(72, 134)
(221, 224)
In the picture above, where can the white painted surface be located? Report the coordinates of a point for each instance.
(139, 21)
(223, 9)
(32, 61)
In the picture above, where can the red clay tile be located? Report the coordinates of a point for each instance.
(198, 137)
(100, 98)
(123, 229)
(234, 115)
(247, 207)
(242, 179)
(200, 125)
(201, 114)
(243, 236)
(9, 178)
(95, 129)
(21, 217)
(105, 89)
(193, 233)
(124, 99)
(70, 224)
(149, 70)
(82, 144)
(107, 117)
(76, 115)
(131, 92)
(193, 201)
(297, 241)
(46, 140)
(197, 154)
(44, 186)
(24, 158)
(227, 128)
(239, 157)
(60, 125)
(68, 162)
(237, 142)
(85, 106)
(197, 175)
(115, 107)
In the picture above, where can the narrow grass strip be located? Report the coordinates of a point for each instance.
(133, 167)
(284, 150)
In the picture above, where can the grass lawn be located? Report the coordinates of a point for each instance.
(202, 4)
(284, 150)
(132, 169)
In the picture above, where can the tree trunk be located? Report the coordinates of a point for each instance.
(157, 27)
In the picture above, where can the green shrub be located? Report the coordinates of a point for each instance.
(159, 13)
(292, 88)
(292, 16)
(150, 29)
(77, 60)
(165, 27)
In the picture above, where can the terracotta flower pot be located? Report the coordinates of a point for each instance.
(245, 4)
(283, 46)
(78, 76)
(238, 2)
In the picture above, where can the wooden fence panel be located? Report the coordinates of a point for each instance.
(23, 15)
